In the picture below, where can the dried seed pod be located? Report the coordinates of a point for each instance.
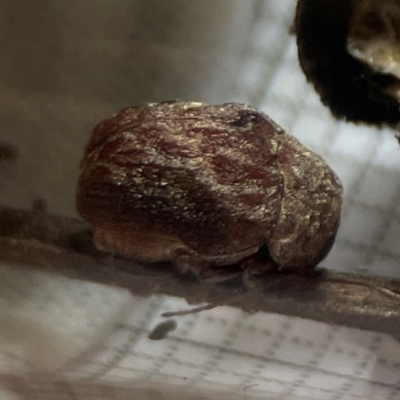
(350, 51)
(206, 186)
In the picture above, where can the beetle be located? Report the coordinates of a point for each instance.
(207, 187)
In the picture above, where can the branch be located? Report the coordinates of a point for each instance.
(34, 240)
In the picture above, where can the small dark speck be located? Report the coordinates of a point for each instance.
(363, 365)
(296, 339)
(247, 117)
(8, 152)
(162, 329)
(170, 101)
(39, 205)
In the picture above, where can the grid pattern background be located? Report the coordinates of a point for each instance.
(253, 355)
(366, 160)
(224, 353)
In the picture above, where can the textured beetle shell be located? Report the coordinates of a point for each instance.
(215, 182)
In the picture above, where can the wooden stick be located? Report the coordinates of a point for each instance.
(34, 240)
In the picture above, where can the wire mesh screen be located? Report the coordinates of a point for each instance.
(64, 339)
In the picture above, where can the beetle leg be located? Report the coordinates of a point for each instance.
(255, 265)
(188, 262)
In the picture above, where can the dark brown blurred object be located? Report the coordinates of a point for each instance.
(8, 152)
(340, 46)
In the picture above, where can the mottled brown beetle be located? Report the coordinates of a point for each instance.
(350, 51)
(206, 187)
